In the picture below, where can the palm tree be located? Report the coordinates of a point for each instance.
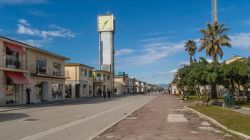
(190, 47)
(214, 38)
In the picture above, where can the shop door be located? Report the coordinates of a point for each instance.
(77, 91)
(45, 89)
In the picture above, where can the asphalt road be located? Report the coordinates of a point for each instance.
(78, 121)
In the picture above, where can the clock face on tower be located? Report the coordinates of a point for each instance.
(106, 23)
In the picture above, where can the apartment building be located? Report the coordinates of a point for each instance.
(29, 74)
(79, 80)
(131, 85)
(138, 87)
(121, 84)
(102, 82)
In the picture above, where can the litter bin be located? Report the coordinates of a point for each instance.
(229, 99)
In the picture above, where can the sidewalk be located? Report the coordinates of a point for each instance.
(164, 119)
(244, 110)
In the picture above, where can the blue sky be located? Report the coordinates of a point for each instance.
(149, 33)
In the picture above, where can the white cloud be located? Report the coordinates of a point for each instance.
(46, 36)
(39, 13)
(173, 71)
(152, 52)
(25, 28)
(184, 63)
(22, 2)
(241, 40)
(123, 52)
(157, 39)
(38, 42)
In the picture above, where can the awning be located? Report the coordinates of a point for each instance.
(14, 48)
(17, 78)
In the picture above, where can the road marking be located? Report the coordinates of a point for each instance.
(70, 124)
(176, 118)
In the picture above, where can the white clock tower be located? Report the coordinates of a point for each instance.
(106, 29)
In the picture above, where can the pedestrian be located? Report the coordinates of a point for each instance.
(100, 92)
(109, 94)
(104, 94)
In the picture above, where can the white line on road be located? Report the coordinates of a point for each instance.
(70, 124)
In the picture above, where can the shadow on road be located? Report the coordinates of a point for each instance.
(91, 100)
(12, 116)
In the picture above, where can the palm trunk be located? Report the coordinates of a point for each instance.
(214, 57)
(190, 59)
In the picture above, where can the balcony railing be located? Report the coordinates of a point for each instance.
(12, 62)
(99, 79)
(57, 73)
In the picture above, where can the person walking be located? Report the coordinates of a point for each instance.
(104, 94)
(100, 92)
(109, 94)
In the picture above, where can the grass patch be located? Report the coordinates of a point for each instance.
(192, 98)
(233, 120)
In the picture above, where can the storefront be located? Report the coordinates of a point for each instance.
(46, 89)
(15, 88)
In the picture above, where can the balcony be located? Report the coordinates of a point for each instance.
(57, 73)
(12, 62)
(99, 79)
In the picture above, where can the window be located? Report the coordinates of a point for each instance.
(56, 91)
(11, 92)
(68, 91)
(104, 77)
(85, 72)
(41, 66)
(66, 73)
(57, 69)
(108, 77)
(98, 77)
(12, 59)
(81, 71)
(90, 74)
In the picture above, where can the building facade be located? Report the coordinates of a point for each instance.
(122, 84)
(29, 74)
(131, 86)
(102, 82)
(79, 80)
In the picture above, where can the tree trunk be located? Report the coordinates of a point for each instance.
(214, 57)
(214, 91)
(190, 59)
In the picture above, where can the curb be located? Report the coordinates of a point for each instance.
(112, 124)
(244, 136)
(246, 108)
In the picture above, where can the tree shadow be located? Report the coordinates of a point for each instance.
(12, 116)
(81, 101)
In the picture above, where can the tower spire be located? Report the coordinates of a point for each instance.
(214, 13)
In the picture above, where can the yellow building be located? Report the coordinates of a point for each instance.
(102, 82)
(79, 80)
(233, 59)
(121, 85)
(29, 74)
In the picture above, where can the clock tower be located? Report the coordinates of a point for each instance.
(106, 29)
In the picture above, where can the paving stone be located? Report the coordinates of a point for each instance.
(179, 118)
(205, 124)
